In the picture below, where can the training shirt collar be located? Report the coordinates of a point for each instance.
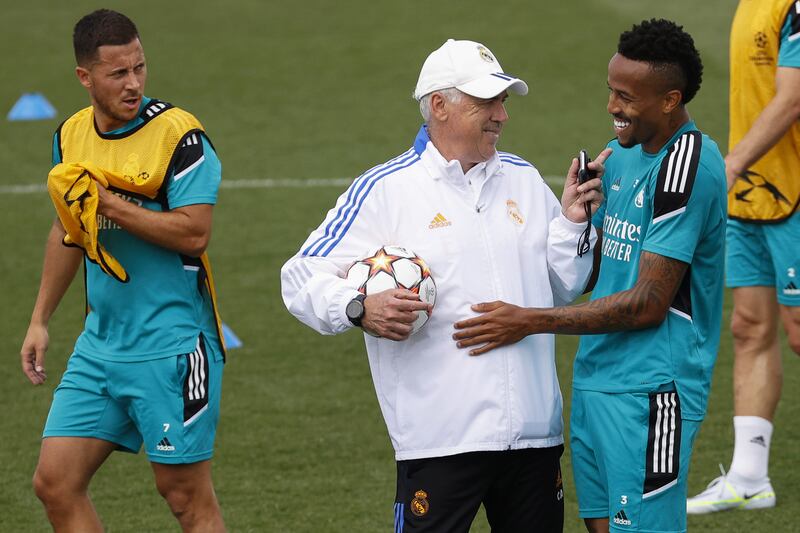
(689, 125)
(134, 122)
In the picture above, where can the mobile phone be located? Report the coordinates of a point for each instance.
(584, 172)
(584, 175)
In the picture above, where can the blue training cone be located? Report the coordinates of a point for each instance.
(32, 106)
(231, 340)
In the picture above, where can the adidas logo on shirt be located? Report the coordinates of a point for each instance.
(621, 518)
(165, 445)
(616, 185)
(439, 221)
(791, 288)
(155, 109)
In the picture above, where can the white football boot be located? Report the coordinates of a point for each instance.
(722, 495)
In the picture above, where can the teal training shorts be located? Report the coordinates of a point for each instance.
(630, 458)
(765, 255)
(169, 404)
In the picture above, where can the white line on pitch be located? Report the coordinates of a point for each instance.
(264, 183)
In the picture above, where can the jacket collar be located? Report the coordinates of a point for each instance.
(439, 168)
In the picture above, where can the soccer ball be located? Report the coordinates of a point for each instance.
(395, 267)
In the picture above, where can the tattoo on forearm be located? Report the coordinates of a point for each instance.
(636, 308)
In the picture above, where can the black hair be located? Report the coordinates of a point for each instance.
(669, 50)
(99, 28)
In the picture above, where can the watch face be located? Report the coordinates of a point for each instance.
(354, 309)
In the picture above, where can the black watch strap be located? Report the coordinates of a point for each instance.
(355, 310)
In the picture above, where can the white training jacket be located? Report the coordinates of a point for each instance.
(506, 240)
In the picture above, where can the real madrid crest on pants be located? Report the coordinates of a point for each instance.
(419, 505)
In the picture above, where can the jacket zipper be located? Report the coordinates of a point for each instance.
(479, 212)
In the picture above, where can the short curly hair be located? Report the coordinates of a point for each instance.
(669, 50)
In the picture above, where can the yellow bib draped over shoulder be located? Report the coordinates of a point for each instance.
(135, 164)
(770, 190)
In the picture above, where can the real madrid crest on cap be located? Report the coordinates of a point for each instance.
(485, 54)
(419, 505)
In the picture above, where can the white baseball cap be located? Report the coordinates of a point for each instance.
(468, 66)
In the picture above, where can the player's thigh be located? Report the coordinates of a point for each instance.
(590, 485)
(84, 407)
(184, 481)
(755, 315)
(790, 316)
(527, 494)
(748, 262)
(174, 402)
(441, 494)
(68, 463)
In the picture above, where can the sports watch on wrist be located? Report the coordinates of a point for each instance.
(355, 310)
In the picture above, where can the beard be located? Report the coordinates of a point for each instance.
(106, 109)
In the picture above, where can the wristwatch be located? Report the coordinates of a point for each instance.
(355, 310)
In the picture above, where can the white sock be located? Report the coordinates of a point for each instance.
(751, 450)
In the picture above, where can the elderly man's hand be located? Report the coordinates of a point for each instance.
(576, 195)
(391, 313)
(500, 324)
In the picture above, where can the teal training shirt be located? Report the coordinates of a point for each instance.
(789, 48)
(162, 309)
(674, 204)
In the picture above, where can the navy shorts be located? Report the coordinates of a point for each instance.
(521, 491)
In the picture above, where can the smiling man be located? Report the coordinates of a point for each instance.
(147, 367)
(643, 369)
(466, 431)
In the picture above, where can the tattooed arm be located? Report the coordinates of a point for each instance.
(644, 305)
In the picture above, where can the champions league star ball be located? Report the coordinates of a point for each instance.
(395, 267)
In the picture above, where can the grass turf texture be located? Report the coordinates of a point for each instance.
(320, 90)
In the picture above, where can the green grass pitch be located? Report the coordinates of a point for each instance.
(318, 89)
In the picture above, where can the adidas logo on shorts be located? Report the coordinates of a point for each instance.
(621, 518)
(791, 289)
(165, 445)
